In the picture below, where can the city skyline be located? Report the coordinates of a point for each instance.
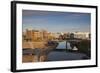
(56, 21)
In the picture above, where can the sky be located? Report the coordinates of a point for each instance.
(53, 21)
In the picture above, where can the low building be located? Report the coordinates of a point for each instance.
(82, 35)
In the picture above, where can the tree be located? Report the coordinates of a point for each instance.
(72, 35)
(84, 46)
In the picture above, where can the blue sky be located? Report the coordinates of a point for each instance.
(56, 21)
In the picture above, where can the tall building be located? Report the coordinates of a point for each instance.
(36, 35)
(45, 34)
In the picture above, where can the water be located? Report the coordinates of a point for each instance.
(62, 45)
(63, 55)
(69, 46)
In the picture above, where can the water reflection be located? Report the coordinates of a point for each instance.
(62, 45)
(59, 55)
(68, 46)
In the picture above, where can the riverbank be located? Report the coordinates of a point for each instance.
(41, 45)
(37, 51)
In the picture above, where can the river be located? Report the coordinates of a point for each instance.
(65, 55)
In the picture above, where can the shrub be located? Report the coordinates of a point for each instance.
(84, 46)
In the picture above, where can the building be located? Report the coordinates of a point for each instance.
(77, 35)
(57, 35)
(45, 34)
(82, 35)
(36, 35)
(51, 36)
